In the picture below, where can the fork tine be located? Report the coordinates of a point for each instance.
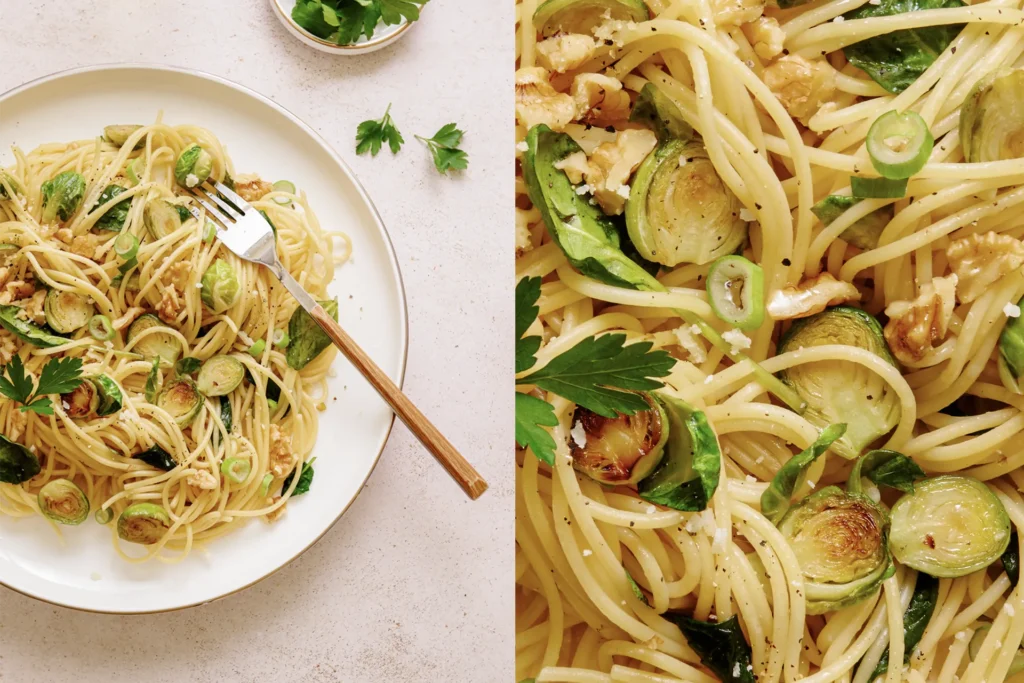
(213, 211)
(231, 196)
(225, 207)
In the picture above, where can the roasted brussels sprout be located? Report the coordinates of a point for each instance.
(679, 210)
(622, 449)
(839, 540)
(193, 167)
(81, 401)
(66, 311)
(220, 286)
(840, 391)
(181, 400)
(17, 463)
(220, 376)
(113, 220)
(992, 117)
(688, 473)
(26, 331)
(583, 16)
(110, 397)
(1011, 352)
(143, 523)
(9, 179)
(155, 344)
(949, 526)
(307, 339)
(62, 195)
(118, 135)
(62, 501)
(161, 218)
(865, 232)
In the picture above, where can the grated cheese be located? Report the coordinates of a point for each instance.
(579, 435)
(1011, 310)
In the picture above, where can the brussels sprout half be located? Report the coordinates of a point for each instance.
(66, 311)
(81, 401)
(161, 218)
(143, 523)
(62, 501)
(840, 391)
(583, 16)
(622, 449)
(17, 463)
(839, 540)
(679, 210)
(194, 166)
(654, 109)
(62, 195)
(1011, 352)
(864, 233)
(181, 400)
(949, 526)
(992, 117)
(118, 135)
(14, 184)
(155, 344)
(220, 286)
(220, 376)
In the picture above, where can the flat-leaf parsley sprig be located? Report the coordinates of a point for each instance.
(59, 376)
(598, 373)
(444, 147)
(343, 22)
(371, 135)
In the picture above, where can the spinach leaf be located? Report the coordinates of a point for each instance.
(305, 480)
(1011, 559)
(688, 474)
(636, 589)
(187, 366)
(308, 340)
(895, 60)
(775, 500)
(17, 463)
(915, 619)
(183, 213)
(721, 646)
(654, 109)
(116, 215)
(227, 415)
(158, 458)
(885, 468)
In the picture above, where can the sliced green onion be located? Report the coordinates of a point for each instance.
(736, 291)
(236, 469)
(100, 328)
(209, 232)
(134, 170)
(284, 186)
(899, 144)
(126, 246)
(104, 515)
(281, 338)
(272, 405)
(877, 188)
(268, 479)
(258, 347)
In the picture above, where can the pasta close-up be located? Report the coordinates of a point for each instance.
(769, 341)
(190, 382)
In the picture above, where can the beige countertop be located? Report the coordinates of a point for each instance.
(413, 583)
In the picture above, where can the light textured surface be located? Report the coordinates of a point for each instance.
(411, 584)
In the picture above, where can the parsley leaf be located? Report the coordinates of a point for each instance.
(527, 293)
(532, 415)
(444, 147)
(599, 372)
(392, 11)
(59, 376)
(371, 135)
(19, 387)
(343, 22)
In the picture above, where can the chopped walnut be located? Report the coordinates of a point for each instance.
(279, 512)
(600, 100)
(202, 480)
(811, 296)
(34, 309)
(16, 290)
(17, 421)
(524, 241)
(177, 275)
(981, 260)
(801, 86)
(575, 166)
(251, 187)
(64, 235)
(282, 460)
(8, 347)
(86, 245)
(915, 326)
(5, 273)
(766, 37)
(538, 102)
(565, 52)
(612, 164)
(127, 318)
(731, 13)
(170, 305)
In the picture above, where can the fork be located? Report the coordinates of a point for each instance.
(249, 236)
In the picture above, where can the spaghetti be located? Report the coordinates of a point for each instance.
(782, 113)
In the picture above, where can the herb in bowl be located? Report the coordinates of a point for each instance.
(344, 22)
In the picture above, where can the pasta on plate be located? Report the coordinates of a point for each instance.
(149, 375)
(769, 340)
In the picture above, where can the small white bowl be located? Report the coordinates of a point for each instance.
(382, 36)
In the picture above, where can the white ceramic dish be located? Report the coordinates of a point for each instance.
(382, 36)
(84, 572)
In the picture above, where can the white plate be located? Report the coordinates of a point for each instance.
(382, 35)
(260, 136)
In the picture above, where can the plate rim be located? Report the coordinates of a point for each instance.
(403, 309)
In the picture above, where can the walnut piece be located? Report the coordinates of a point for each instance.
(251, 187)
(202, 480)
(802, 86)
(15, 290)
(282, 460)
(537, 102)
(565, 52)
(915, 326)
(524, 241)
(811, 296)
(979, 261)
(600, 100)
(611, 165)
(731, 13)
(766, 37)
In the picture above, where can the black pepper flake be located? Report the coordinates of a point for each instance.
(786, 262)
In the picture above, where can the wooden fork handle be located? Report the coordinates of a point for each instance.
(442, 449)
